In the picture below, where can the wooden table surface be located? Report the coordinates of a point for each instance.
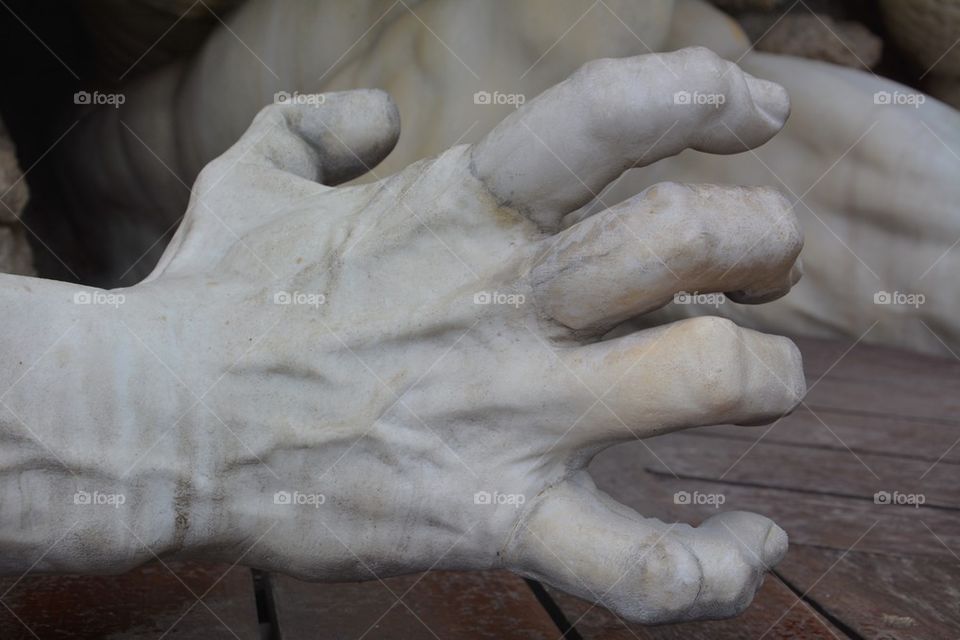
(876, 421)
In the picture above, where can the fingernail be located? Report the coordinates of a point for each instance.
(770, 98)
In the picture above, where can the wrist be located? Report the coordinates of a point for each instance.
(86, 410)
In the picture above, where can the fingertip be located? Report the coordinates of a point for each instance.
(385, 115)
(796, 272)
(771, 100)
(760, 296)
(761, 539)
(362, 132)
(768, 292)
(775, 546)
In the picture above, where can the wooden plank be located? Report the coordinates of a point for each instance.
(809, 470)
(879, 596)
(489, 604)
(899, 414)
(927, 399)
(881, 380)
(889, 435)
(144, 603)
(873, 362)
(808, 518)
(773, 614)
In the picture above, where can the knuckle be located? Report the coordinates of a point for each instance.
(785, 221)
(707, 62)
(795, 381)
(275, 114)
(720, 334)
(668, 193)
(697, 57)
(606, 89)
(778, 199)
(692, 244)
(670, 579)
(701, 54)
(211, 174)
(742, 583)
(685, 576)
(269, 112)
(695, 247)
(597, 70)
(721, 363)
(711, 62)
(701, 71)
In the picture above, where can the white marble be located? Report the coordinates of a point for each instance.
(348, 382)
(880, 213)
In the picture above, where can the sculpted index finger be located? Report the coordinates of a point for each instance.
(558, 152)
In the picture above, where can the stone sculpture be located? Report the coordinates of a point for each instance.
(874, 182)
(343, 383)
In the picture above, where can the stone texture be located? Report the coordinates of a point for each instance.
(883, 206)
(928, 30)
(400, 376)
(817, 37)
(15, 254)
